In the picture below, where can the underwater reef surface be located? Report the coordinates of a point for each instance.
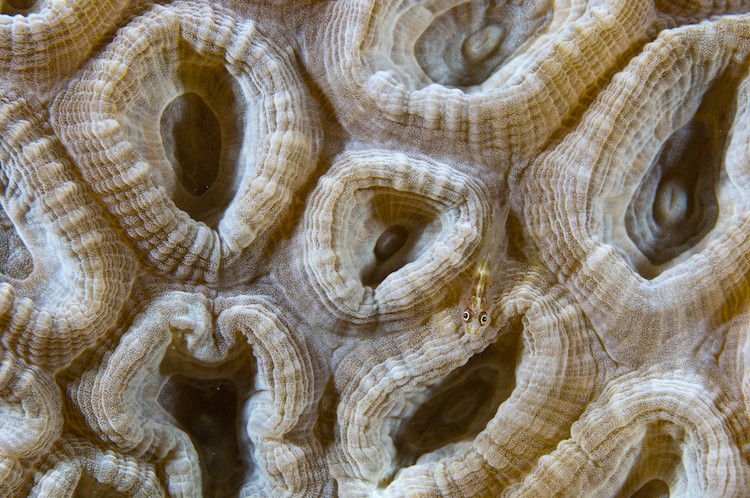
(367, 248)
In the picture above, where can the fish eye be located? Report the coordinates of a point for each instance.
(483, 318)
(467, 315)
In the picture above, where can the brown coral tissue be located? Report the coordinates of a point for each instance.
(375, 248)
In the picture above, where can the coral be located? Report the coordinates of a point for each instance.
(237, 240)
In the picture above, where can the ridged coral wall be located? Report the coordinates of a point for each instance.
(375, 248)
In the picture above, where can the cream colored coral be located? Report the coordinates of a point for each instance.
(372, 70)
(650, 427)
(237, 240)
(42, 42)
(30, 409)
(600, 262)
(81, 272)
(184, 225)
(164, 340)
(363, 195)
(76, 465)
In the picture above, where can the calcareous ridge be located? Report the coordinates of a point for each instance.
(242, 243)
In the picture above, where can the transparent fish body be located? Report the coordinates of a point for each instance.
(476, 314)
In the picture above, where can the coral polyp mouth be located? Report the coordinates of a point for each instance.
(464, 46)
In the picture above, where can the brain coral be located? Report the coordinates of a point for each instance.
(375, 248)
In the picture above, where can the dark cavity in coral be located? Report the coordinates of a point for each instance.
(18, 7)
(655, 488)
(676, 206)
(390, 241)
(460, 406)
(207, 410)
(191, 136)
(407, 226)
(468, 43)
(659, 461)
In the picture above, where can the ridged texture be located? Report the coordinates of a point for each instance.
(30, 409)
(43, 41)
(655, 427)
(368, 248)
(78, 272)
(372, 67)
(676, 12)
(76, 466)
(174, 338)
(360, 198)
(657, 101)
(190, 225)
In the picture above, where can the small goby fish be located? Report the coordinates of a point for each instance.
(477, 313)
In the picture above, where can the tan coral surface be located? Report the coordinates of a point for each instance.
(239, 242)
